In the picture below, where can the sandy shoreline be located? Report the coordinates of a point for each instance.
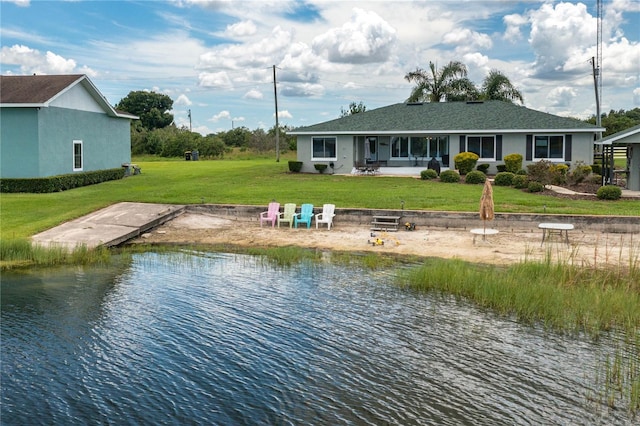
(507, 247)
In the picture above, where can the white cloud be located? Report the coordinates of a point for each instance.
(557, 33)
(32, 61)
(513, 23)
(283, 114)
(222, 115)
(20, 3)
(216, 80)
(302, 89)
(636, 96)
(466, 40)
(241, 29)
(561, 97)
(183, 100)
(247, 55)
(253, 94)
(364, 39)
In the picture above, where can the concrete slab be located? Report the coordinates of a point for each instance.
(110, 226)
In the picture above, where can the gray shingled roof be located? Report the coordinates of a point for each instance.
(33, 89)
(451, 117)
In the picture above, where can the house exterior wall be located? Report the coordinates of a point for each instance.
(350, 149)
(343, 162)
(19, 156)
(76, 97)
(106, 141)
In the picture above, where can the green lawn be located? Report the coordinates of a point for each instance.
(258, 181)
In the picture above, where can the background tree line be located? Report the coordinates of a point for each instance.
(156, 133)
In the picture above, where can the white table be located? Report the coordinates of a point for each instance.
(484, 232)
(558, 228)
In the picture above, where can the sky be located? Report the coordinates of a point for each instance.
(215, 58)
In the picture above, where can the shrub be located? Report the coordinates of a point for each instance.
(520, 181)
(60, 182)
(483, 168)
(320, 167)
(580, 172)
(535, 187)
(558, 173)
(428, 174)
(504, 179)
(539, 172)
(501, 168)
(596, 168)
(465, 162)
(513, 162)
(522, 172)
(609, 192)
(475, 177)
(595, 178)
(450, 176)
(295, 166)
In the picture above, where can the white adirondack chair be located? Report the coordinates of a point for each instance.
(326, 216)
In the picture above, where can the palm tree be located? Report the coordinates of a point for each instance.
(449, 83)
(496, 86)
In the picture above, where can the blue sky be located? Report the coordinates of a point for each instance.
(215, 57)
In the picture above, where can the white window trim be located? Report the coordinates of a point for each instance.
(549, 159)
(335, 158)
(73, 156)
(466, 145)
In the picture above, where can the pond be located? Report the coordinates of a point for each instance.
(214, 338)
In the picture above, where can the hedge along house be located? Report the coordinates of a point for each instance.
(407, 135)
(627, 143)
(59, 124)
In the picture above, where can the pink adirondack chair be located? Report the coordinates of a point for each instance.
(271, 215)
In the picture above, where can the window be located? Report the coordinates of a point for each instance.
(77, 156)
(399, 147)
(324, 148)
(549, 147)
(484, 146)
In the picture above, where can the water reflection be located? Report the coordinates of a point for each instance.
(226, 339)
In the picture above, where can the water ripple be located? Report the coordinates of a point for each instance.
(227, 339)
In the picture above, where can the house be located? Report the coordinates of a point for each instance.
(627, 143)
(59, 124)
(410, 134)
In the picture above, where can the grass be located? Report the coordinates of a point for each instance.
(258, 181)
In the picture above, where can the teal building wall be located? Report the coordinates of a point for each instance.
(38, 142)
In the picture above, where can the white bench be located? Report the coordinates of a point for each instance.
(484, 232)
(557, 228)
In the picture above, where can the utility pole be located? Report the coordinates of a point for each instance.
(275, 96)
(190, 120)
(597, 73)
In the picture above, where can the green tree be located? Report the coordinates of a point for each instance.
(497, 87)
(237, 137)
(354, 108)
(211, 146)
(287, 142)
(446, 84)
(151, 107)
(617, 121)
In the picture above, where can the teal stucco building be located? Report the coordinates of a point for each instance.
(59, 124)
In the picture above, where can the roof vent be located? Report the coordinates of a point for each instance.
(414, 103)
(474, 102)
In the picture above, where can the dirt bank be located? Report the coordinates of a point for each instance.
(586, 248)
